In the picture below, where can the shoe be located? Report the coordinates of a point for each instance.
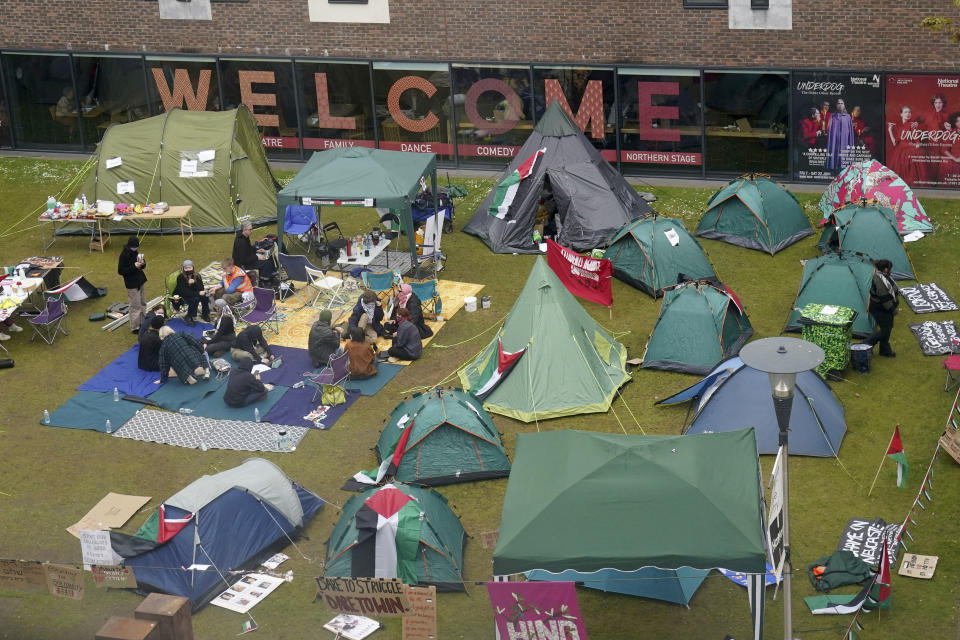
(15, 328)
(4, 336)
(190, 322)
(382, 357)
(889, 354)
(137, 330)
(205, 317)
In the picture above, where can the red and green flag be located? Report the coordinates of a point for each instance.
(895, 453)
(496, 370)
(506, 191)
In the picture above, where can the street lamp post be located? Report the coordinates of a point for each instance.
(782, 359)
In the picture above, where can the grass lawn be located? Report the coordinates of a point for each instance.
(53, 476)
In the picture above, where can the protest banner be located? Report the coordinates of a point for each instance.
(377, 597)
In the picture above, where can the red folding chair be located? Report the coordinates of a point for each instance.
(952, 366)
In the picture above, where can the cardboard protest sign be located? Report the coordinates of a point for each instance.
(928, 298)
(23, 575)
(935, 338)
(536, 610)
(864, 538)
(421, 622)
(379, 597)
(65, 581)
(111, 512)
(917, 566)
(113, 577)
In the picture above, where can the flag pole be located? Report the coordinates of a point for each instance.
(895, 427)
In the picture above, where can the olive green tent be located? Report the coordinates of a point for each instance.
(652, 253)
(210, 160)
(571, 364)
(755, 212)
(590, 501)
(841, 279)
(871, 230)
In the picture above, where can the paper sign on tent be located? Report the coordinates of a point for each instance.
(188, 167)
(111, 512)
(125, 187)
(672, 236)
(113, 162)
(206, 155)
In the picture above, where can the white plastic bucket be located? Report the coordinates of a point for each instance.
(470, 303)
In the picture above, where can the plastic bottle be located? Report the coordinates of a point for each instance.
(256, 414)
(203, 445)
(186, 410)
(51, 203)
(46, 417)
(116, 395)
(83, 200)
(109, 426)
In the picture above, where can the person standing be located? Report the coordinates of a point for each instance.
(840, 138)
(130, 266)
(884, 300)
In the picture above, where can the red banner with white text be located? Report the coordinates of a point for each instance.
(587, 278)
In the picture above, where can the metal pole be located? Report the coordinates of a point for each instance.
(783, 406)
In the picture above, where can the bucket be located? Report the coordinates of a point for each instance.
(485, 302)
(860, 356)
(470, 303)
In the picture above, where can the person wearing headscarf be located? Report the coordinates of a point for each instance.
(181, 355)
(324, 340)
(148, 354)
(224, 332)
(243, 386)
(130, 265)
(368, 315)
(361, 361)
(407, 344)
(884, 300)
(407, 299)
(190, 290)
(251, 345)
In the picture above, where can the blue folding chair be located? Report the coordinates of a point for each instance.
(385, 285)
(429, 297)
(300, 224)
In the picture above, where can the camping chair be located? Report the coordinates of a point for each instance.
(170, 283)
(336, 373)
(429, 252)
(329, 249)
(325, 284)
(952, 367)
(49, 322)
(385, 285)
(300, 227)
(264, 312)
(430, 301)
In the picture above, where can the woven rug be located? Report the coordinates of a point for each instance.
(191, 432)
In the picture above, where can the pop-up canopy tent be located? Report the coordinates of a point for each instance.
(571, 364)
(755, 212)
(734, 395)
(699, 325)
(652, 253)
(590, 198)
(637, 501)
(868, 229)
(232, 520)
(211, 160)
(841, 279)
(361, 177)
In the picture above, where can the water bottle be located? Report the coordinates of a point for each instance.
(116, 395)
(83, 200)
(46, 417)
(186, 410)
(51, 203)
(256, 414)
(109, 426)
(203, 445)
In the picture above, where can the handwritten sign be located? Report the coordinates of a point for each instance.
(96, 549)
(864, 539)
(125, 187)
(421, 622)
(935, 338)
(928, 298)
(23, 575)
(378, 597)
(536, 610)
(64, 581)
(917, 566)
(113, 577)
(587, 278)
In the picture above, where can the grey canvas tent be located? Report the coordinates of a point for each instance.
(584, 197)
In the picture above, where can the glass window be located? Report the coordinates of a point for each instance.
(110, 90)
(6, 139)
(42, 100)
(705, 4)
(660, 120)
(746, 121)
(493, 112)
(266, 88)
(586, 94)
(336, 109)
(187, 83)
(413, 107)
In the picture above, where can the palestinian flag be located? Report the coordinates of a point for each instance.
(880, 593)
(496, 370)
(76, 289)
(895, 453)
(507, 189)
(733, 297)
(837, 604)
(391, 461)
(157, 530)
(388, 536)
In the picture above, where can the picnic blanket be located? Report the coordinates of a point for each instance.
(295, 362)
(298, 403)
(91, 410)
(175, 395)
(213, 406)
(385, 373)
(196, 432)
(123, 375)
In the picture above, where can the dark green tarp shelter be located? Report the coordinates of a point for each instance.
(235, 184)
(871, 230)
(755, 212)
(361, 177)
(840, 279)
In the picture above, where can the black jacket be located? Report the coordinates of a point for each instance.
(358, 312)
(249, 339)
(244, 255)
(225, 330)
(148, 357)
(133, 276)
(186, 290)
(241, 384)
(322, 343)
(416, 316)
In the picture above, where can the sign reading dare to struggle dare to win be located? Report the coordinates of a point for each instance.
(372, 597)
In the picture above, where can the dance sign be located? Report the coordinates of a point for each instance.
(587, 278)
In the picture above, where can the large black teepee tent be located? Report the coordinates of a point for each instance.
(579, 196)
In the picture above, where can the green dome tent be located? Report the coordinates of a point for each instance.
(841, 279)
(651, 253)
(233, 184)
(871, 230)
(755, 212)
(439, 437)
(698, 327)
(571, 364)
(422, 544)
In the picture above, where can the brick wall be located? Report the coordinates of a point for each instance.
(880, 34)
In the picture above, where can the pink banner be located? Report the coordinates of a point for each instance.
(587, 278)
(536, 610)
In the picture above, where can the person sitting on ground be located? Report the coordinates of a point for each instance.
(407, 299)
(181, 355)
(368, 315)
(235, 287)
(224, 332)
(157, 312)
(251, 345)
(190, 290)
(148, 356)
(407, 344)
(243, 386)
(362, 358)
(324, 340)
(10, 326)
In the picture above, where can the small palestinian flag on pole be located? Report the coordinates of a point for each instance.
(895, 453)
(156, 531)
(496, 370)
(880, 593)
(507, 189)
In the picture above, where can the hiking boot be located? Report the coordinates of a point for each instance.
(14, 328)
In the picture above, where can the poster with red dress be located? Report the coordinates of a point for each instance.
(923, 129)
